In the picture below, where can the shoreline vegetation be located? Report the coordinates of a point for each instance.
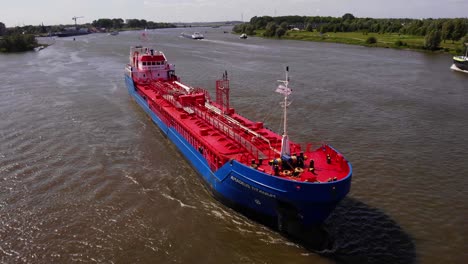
(18, 43)
(20, 39)
(428, 35)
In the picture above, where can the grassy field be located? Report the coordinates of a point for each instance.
(358, 38)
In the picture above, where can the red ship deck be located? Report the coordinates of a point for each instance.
(221, 137)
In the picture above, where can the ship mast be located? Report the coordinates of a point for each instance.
(286, 91)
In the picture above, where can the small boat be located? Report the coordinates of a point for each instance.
(243, 36)
(461, 62)
(196, 35)
(39, 48)
(242, 162)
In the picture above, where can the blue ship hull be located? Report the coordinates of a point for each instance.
(239, 186)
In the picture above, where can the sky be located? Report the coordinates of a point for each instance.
(53, 12)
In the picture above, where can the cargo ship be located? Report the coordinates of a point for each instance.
(243, 163)
(72, 31)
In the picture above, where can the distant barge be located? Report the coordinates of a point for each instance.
(71, 32)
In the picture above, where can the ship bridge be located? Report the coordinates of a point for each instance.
(148, 64)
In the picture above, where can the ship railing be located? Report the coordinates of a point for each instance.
(231, 120)
(214, 159)
(160, 87)
(164, 89)
(296, 148)
(230, 132)
(305, 147)
(167, 88)
(170, 98)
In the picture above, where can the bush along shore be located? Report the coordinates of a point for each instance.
(434, 35)
(18, 43)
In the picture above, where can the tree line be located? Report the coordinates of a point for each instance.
(434, 30)
(118, 23)
(107, 23)
(16, 39)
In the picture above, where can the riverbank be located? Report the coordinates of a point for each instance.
(389, 40)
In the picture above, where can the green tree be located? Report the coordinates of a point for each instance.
(432, 40)
(246, 28)
(280, 32)
(117, 23)
(371, 40)
(447, 30)
(270, 29)
(375, 28)
(17, 43)
(239, 28)
(249, 30)
(284, 25)
(133, 23)
(323, 29)
(464, 43)
(459, 29)
(260, 22)
(143, 23)
(348, 16)
(103, 23)
(2, 29)
(349, 23)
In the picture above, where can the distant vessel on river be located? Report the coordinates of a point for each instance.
(195, 35)
(72, 31)
(460, 63)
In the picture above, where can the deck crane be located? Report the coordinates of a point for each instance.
(75, 18)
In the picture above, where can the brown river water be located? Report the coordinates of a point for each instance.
(86, 177)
